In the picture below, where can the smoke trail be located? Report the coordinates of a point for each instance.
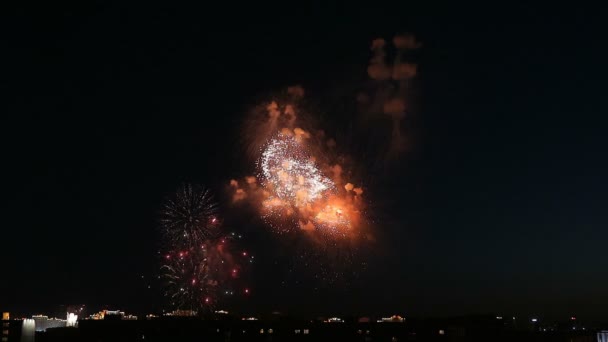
(391, 87)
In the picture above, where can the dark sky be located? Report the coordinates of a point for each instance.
(499, 207)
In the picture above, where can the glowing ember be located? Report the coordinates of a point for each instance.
(333, 216)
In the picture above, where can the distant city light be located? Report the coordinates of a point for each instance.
(72, 320)
(334, 320)
(43, 322)
(394, 318)
(534, 320)
(28, 330)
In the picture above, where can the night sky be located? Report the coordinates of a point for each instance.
(498, 206)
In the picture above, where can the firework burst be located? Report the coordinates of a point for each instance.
(190, 216)
(302, 192)
(297, 191)
(298, 186)
(197, 263)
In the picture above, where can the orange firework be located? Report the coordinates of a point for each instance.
(302, 190)
(298, 186)
(294, 192)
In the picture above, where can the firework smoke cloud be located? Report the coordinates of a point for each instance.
(391, 85)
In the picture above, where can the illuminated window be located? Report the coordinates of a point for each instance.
(261, 331)
(4, 332)
(441, 332)
(297, 331)
(270, 331)
(306, 331)
(359, 331)
(5, 339)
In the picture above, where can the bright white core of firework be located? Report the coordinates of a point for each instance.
(292, 172)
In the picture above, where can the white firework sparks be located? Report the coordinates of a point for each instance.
(291, 171)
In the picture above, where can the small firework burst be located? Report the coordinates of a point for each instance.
(190, 216)
(197, 263)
